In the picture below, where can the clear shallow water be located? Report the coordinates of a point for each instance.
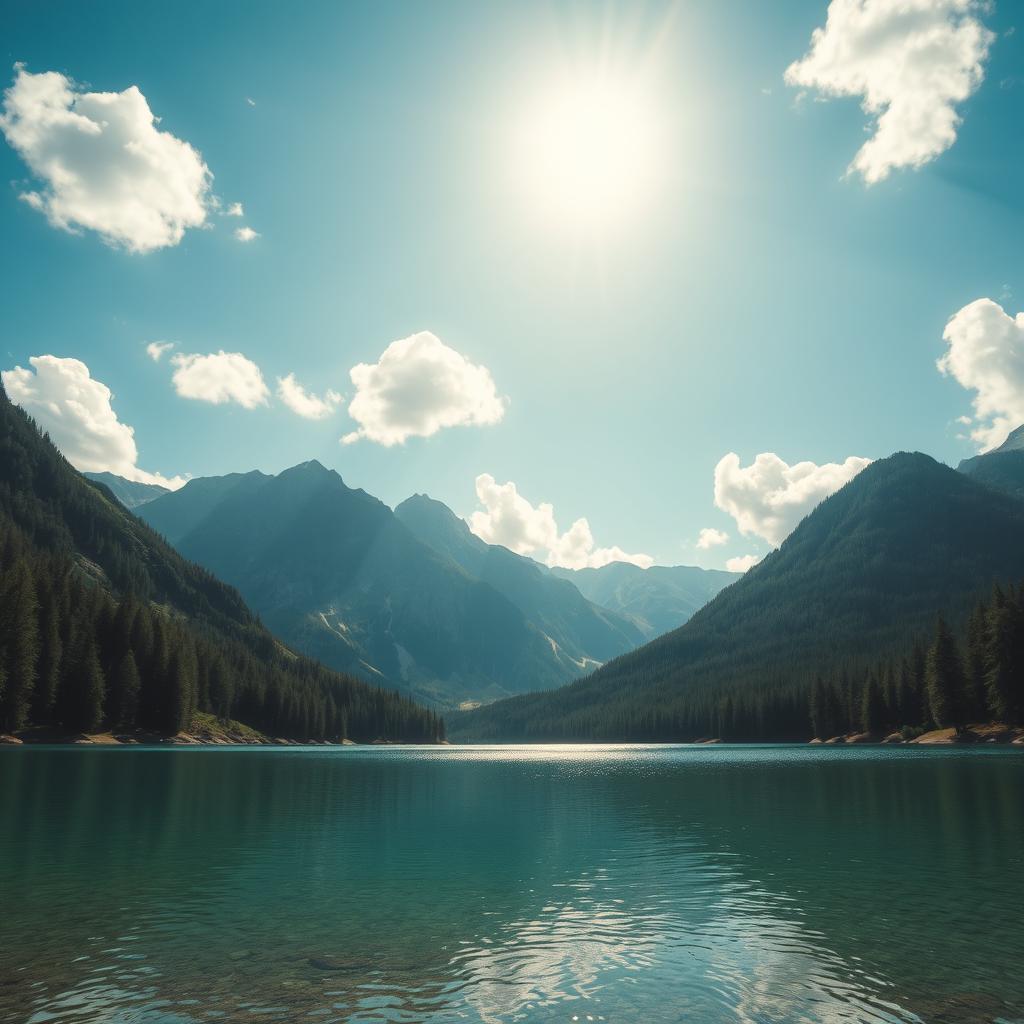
(634, 883)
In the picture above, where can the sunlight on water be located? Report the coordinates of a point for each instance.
(498, 884)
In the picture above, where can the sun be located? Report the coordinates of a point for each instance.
(591, 149)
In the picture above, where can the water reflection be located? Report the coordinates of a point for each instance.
(507, 884)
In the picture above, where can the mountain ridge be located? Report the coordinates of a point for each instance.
(863, 574)
(338, 574)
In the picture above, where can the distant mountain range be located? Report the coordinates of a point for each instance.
(861, 577)
(657, 599)
(130, 493)
(409, 598)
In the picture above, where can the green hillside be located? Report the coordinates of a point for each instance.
(102, 623)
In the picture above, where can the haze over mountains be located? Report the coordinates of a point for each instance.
(861, 577)
(409, 598)
(130, 493)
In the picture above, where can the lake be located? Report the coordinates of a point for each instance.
(500, 884)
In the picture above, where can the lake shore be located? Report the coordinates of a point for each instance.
(205, 731)
(987, 732)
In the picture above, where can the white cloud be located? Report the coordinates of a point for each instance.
(711, 538)
(234, 210)
(986, 356)
(218, 378)
(104, 164)
(156, 349)
(246, 234)
(742, 563)
(769, 497)
(75, 410)
(417, 387)
(911, 61)
(510, 520)
(303, 402)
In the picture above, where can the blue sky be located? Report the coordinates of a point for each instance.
(755, 299)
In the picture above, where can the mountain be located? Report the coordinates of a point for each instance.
(657, 599)
(582, 631)
(861, 577)
(103, 624)
(337, 574)
(1003, 467)
(130, 493)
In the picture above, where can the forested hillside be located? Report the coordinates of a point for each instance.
(862, 577)
(102, 624)
(946, 683)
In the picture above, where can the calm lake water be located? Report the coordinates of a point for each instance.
(633, 883)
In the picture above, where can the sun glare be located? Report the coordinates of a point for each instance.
(591, 150)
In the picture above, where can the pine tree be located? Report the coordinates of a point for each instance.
(124, 692)
(19, 644)
(221, 688)
(179, 702)
(1004, 661)
(946, 683)
(90, 690)
(872, 716)
(48, 666)
(977, 663)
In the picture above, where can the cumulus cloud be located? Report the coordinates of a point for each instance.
(156, 349)
(911, 61)
(218, 378)
(75, 410)
(234, 210)
(742, 563)
(103, 163)
(711, 538)
(417, 387)
(769, 497)
(986, 356)
(304, 403)
(246, 234)
(510, 520)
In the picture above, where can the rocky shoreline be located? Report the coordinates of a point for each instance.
(990, 732)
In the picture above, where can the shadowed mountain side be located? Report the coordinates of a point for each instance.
(862, 575)
(339, 576)
(585, 632)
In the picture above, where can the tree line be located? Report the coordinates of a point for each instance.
(948, 684)
(75, 658)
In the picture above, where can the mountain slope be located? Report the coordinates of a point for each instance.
(589, 635)
(1002, 468)
(337, 574)
(102, 622)
(861, 576)
(130, 493)
(657, 599)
